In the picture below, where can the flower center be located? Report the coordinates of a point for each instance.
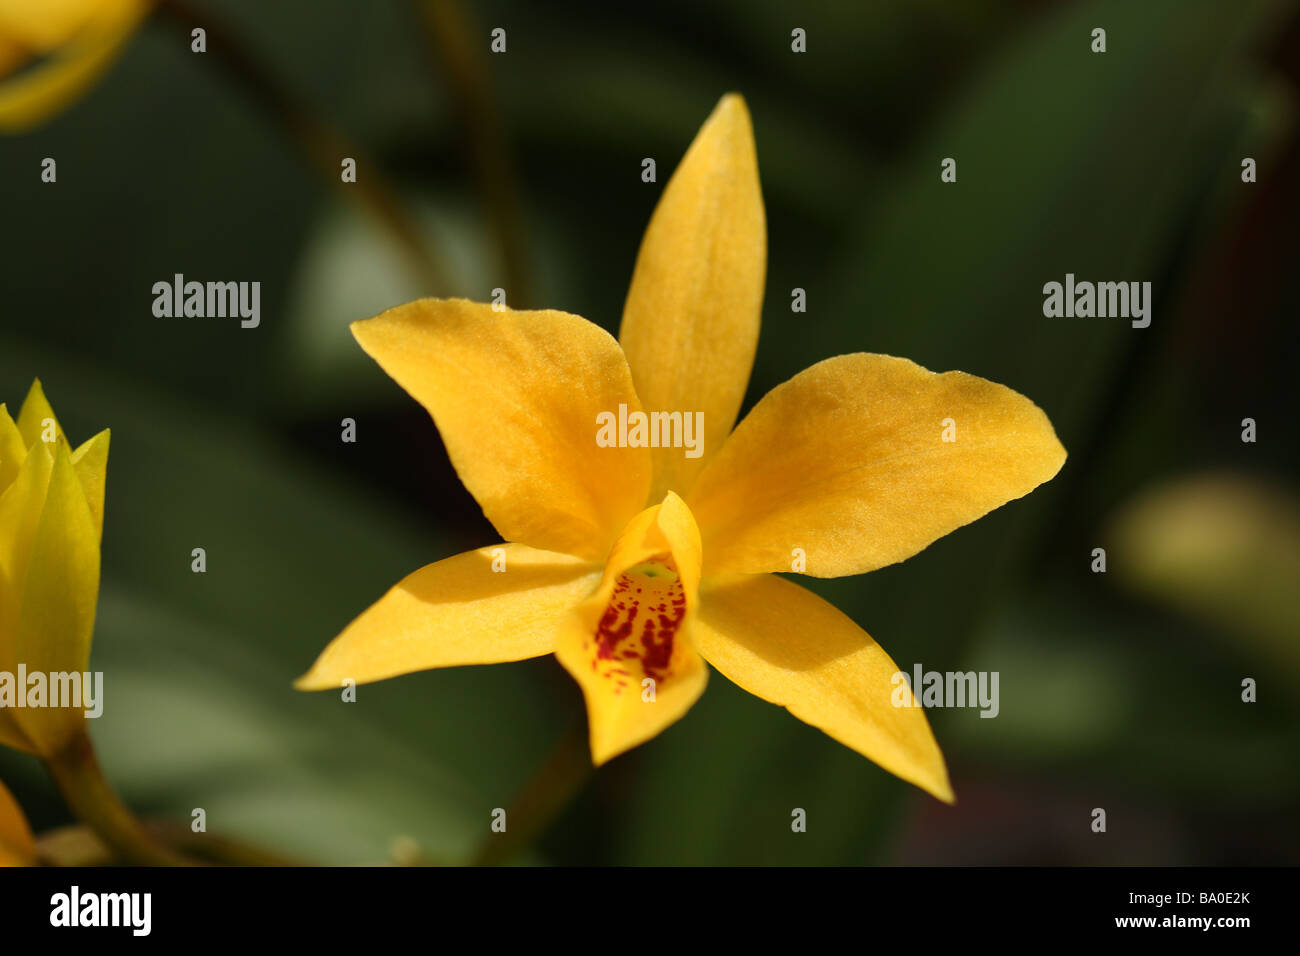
(637, 630)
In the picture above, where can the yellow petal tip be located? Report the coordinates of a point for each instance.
(733, 101)
(314, 680)
(733, 111)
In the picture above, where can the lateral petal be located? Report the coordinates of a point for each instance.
(12, 735)
(60, 590)
(786, 645)
(21, 506)
(17, 845)
(850, 462)
(461, 610)
(74, 65)
(22, 498)
(13, 450)
(36, 419)
(90, 461)
(42, 25)
(12, 56)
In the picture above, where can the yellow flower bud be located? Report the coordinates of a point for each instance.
(17, 846)
(51, 517)
(74, 42)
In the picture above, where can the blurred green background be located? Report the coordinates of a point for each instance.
(1119, 690)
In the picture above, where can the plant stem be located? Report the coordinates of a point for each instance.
(456, 46)
(215, 848)
(536, 806)
(324, 146)
(88, 794)
(78, 845)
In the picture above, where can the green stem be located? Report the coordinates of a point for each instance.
(541, 800)
(88, 794)
(215, 848)
(457, 48)
(79, 845)
(324, 146)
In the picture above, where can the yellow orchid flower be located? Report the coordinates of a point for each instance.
(635, 565)
(75, 41)
(51, 518)
(17, 845)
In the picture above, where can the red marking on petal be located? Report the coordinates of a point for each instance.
(644, 630)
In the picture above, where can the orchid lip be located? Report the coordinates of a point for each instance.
(640, 623)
